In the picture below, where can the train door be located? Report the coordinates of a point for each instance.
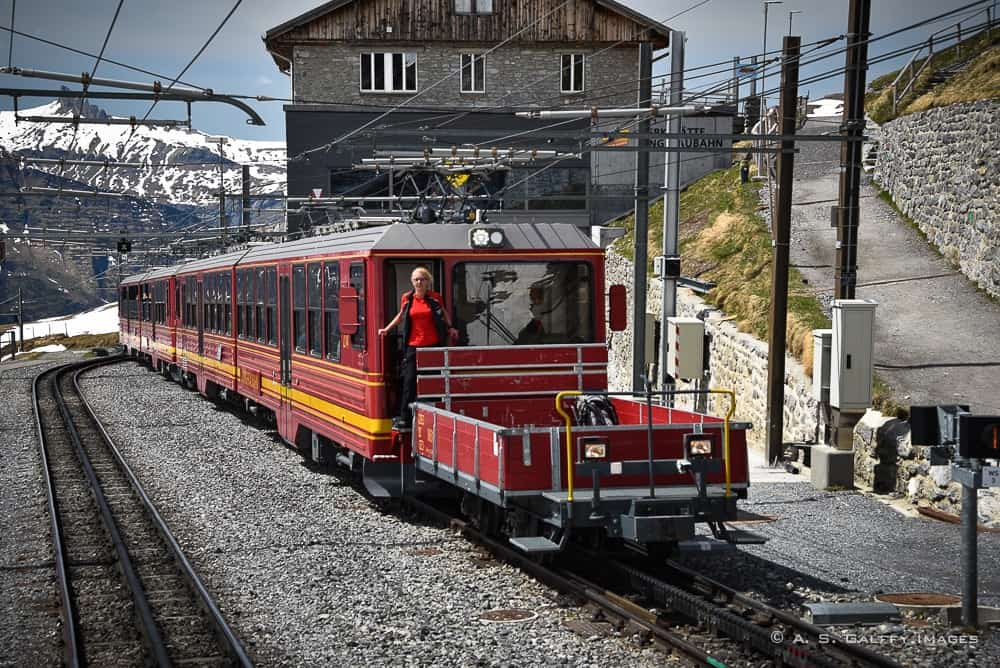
(395, 283)
(284, 349)
(199, 317)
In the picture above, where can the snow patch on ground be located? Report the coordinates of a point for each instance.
(51, 348)
(825, 107)
(101, 320)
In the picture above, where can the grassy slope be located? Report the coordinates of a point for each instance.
(724, 239)
(980, 81)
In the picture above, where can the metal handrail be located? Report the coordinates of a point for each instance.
(570, 463)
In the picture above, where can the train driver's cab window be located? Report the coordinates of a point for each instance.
(523, 303)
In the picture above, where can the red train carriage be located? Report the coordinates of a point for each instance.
(292, 329)
(145, 316)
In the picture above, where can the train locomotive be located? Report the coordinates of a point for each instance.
(514, 419)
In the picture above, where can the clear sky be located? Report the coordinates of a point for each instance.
(163, 35)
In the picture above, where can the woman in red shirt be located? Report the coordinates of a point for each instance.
(425, 324)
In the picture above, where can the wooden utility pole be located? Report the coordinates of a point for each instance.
(641, 231)
(852, 129)
(788, 112)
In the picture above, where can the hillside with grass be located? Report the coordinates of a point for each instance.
(966, 72)
(724, 239)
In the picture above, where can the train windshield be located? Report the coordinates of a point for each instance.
(523, 303)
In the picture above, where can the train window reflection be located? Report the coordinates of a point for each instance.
(523, 303)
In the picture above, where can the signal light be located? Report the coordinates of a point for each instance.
(979, 436)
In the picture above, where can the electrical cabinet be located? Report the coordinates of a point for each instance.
(851, 354)
(685, 347)
(822, 340)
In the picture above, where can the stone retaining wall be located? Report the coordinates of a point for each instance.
(941, 168)
(888, 463)
(737, 361)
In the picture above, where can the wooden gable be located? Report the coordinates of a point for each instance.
(563, 21)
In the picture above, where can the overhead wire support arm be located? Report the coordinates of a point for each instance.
(596, 112)
(154, 91)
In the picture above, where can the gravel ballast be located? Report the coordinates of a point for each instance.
(29, 603)
(306, 569)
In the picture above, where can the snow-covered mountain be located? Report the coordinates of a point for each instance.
(61, 248)
(185, 184)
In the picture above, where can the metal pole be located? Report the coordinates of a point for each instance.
(671, 201)
(763, 86)
(649, 434)
(970, 560)
(245, 202)
(852, 129)
(779, 268)
(790, 15)
(222, 196)
(736, 83)
(20, 319)
(640, 257)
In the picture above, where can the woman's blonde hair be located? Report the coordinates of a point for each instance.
(425, 272)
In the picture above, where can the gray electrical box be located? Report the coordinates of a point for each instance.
(822, 340)
(685, 347)
(851, 354)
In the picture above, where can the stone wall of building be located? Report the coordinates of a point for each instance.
(517, 75)
(737, 361)
(941, 168)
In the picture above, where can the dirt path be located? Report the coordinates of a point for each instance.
(937, 338)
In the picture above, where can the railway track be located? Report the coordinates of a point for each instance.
(128, 596)
(695, 608)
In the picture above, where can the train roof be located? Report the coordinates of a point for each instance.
(430, 237)
(387, 238)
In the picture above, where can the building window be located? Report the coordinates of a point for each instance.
(388, 72)
(473, 6)
(572, 73)
(473, 73)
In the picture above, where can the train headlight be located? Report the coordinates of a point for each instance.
(698, 445)
(595, 450)
(482, 237)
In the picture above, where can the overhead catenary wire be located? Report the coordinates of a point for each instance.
(836, 72)
(176, 79)
(368, 124)
(100, 56)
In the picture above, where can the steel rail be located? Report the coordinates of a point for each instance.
(860, 651)
(72, 639)
(571, 584)
(147, 623)
(227, 637)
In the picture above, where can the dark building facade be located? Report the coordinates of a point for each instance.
(462, 68)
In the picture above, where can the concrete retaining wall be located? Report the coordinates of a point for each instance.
(941, 168)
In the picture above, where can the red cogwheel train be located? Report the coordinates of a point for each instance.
(514, 419)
